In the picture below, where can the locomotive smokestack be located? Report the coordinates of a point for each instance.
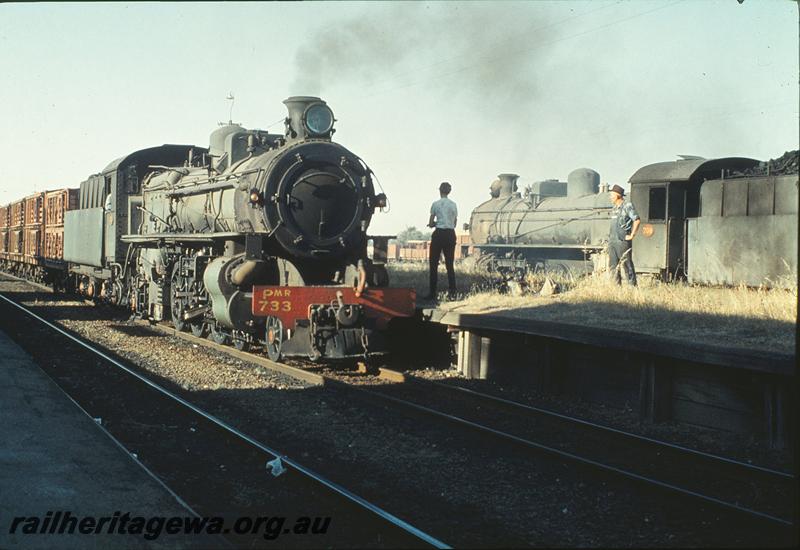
(309, 117)
(508, 185)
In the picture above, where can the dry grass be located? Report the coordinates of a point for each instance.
(415, 275)
(738, 317)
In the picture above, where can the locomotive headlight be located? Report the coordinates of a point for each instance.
(318, 119)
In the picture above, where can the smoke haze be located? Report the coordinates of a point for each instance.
(467, 50)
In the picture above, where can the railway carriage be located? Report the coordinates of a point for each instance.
(32, 233)
(3, 233)
(16, 222)
(56, 204)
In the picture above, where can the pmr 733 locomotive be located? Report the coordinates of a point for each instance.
(259, 239)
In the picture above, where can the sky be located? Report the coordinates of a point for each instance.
(422, 91)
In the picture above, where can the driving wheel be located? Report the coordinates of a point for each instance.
(274, 331)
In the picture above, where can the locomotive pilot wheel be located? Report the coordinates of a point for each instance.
(274, 333)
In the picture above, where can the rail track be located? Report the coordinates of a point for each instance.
(277, 461)
(695, 475)
(698, 476)
(746, 491)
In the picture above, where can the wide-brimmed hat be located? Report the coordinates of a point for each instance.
(619, 190)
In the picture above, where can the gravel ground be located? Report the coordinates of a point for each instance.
(745, 448)
(772, 496)
(457, 486)
(216, 473)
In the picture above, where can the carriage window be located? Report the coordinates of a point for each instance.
(658, 204)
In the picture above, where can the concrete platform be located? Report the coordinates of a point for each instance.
(54, 458)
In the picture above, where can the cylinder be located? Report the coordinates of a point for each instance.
(583, 181)
(230, 304)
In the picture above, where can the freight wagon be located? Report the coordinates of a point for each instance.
(32, 235)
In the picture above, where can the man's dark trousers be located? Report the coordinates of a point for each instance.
(620, 258)
(442, 241)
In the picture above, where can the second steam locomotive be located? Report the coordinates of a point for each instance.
(553, 226)
(724, 221)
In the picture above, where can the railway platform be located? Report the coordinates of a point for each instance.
(732, 389)
(60, 469)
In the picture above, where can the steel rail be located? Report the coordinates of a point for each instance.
(571, 456)
(335, 487)
(728, 462)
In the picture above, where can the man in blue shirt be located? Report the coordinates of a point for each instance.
(624, 224)
(443, 241)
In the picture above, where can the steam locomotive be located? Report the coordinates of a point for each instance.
(259, 239)
(554, 226)
(712, 221)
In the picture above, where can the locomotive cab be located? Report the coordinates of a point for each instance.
(663, 208)
(666, 195)
(109, 206)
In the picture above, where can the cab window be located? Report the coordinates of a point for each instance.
(657, 209)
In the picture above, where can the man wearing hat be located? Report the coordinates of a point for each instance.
(624, 224)
(443, 217)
